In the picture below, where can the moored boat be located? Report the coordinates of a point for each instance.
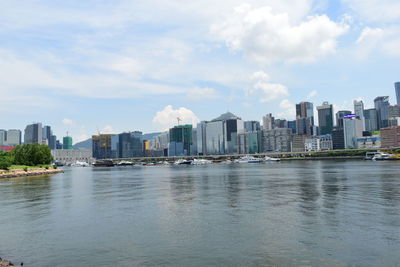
(183, 162)
(103, 163)
(269, 159)
(248, 159)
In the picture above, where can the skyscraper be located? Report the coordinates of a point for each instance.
(180, 140)
(305, 118)
(371, 120)
(382, 110)
(340, 115)
(397, 88)
(268, 122)
(33, 133)
(67, 142)
(325, 118)
(13, 137)
(359, 111)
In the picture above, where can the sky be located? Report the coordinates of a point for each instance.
(112, 66)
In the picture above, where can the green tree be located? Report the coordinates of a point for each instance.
(6, 160)
(32, 154)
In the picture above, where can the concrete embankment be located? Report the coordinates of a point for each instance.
(6, 263)
(29, 172)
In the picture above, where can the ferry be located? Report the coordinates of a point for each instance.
(383, 156)
(269, 159)
(248, 159)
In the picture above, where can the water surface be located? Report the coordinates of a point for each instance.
(297, 213)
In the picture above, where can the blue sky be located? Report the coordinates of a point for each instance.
(113, 66)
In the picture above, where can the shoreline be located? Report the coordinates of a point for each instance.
(30, 172)
(6, 263)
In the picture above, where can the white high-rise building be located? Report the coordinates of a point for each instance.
(352, 129)
(268, 122)
(359, 112)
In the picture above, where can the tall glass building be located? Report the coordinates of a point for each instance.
(397, 88)
(325, 118)
(180, 140)
(305, 118)
(371, 120)
(382, 110)
(33, 133)
(340, 116)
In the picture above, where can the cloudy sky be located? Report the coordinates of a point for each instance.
(113, 66)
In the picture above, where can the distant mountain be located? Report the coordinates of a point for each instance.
(150, 136)
(87, 144)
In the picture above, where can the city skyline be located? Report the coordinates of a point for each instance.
(84, 67)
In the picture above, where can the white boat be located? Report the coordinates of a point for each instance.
(125, 163)
(248, 159)
(382, 156)
(80, 164)
(269, 159)
(183, 162)
(201, 162)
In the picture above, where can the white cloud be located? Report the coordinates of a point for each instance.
(312, 94)
(288, 109)
(108, 129)
(267, 36)
(202, 93)
(168, 117)
(68, 122)
(376, 10)
(383, 40)
(268, 91)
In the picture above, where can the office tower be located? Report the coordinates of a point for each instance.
(251, 126)
(221, 134)
(13, 137)
(201, 138)
(281, 123)
(268, 122)
(292, 125)
(352, 129)
(46, 132)
(397, 88)
(325, 118)
(338, 138)
(53, 142)
(394, 115)
(277, 140)
(390, 137)
(3, 137)
(67, 142)
(382, 110)
(101, 146)
(33, 133)
(128, 145)
(340, 115)
(359, 111)
(248, 143)
(180, 140)
(371, 120)
(305, 118)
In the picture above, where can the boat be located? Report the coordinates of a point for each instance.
(269, 159)
(382, 156)
(248, 159)
(183, 162)
(103, 163)
(370, 155)
(80, 164)
(201, 162)
(125, 163)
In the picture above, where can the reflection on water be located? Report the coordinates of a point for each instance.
(297, 213)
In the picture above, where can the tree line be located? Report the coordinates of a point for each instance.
(26, 154)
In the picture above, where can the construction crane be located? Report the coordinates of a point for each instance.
(179, 120)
